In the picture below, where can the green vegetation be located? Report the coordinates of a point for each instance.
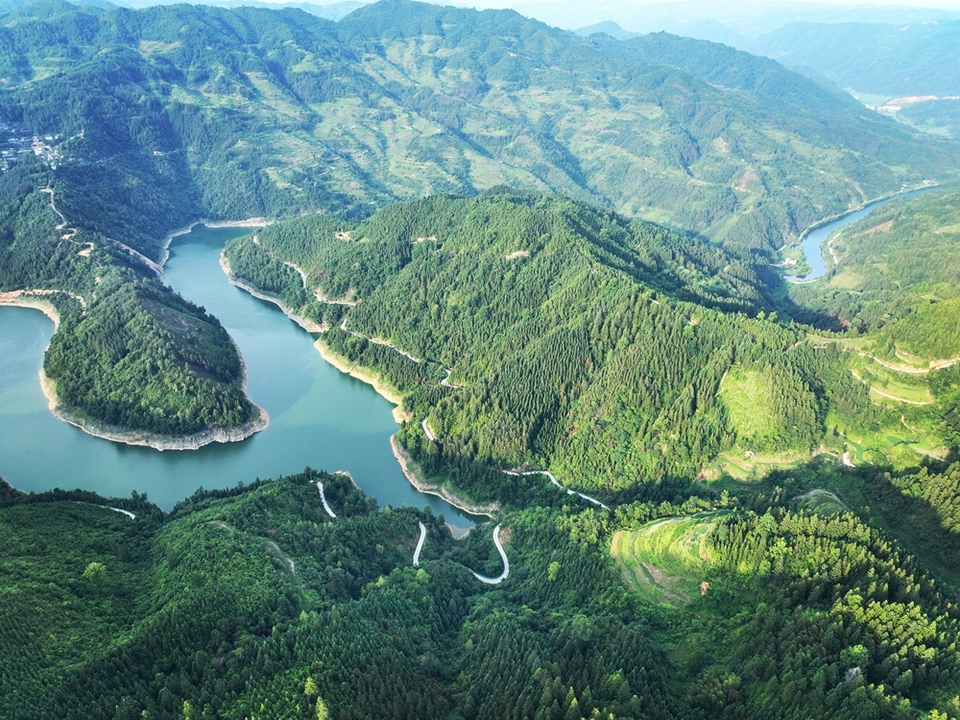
(530, 330)
(664, 560)
(897, 267)
(533, 330)
(128, 353)
(748, 399)
(146, 120)
(253, 602)
(895, 289)
(938, 116)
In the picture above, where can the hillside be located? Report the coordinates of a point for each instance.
(533, 330)
(140, 122)
(440, 99)
(894, 286)
(256, 602)
(897, 269)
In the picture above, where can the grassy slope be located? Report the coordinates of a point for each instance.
(664, 560)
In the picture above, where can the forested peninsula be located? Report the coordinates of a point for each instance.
(527, 330)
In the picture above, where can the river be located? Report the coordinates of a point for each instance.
(319, 417)
(814, 239)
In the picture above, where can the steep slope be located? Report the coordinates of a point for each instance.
(528, 329)
(148, 120)
(405, 99)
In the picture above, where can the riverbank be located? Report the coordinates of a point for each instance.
(863, 206)
(410, 468)
(353, 370)
(151, 440)
(309, 325)
(17, 299)
(256, 222)
(811, 253)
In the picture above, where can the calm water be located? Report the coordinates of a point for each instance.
(814, 242)
(318, 416)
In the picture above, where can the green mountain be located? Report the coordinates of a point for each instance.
(894, 286)
(892, 60)
(680, 604)
(534, 330)
(161, 116)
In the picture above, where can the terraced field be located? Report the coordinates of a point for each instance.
(664, 560)
(820, 501)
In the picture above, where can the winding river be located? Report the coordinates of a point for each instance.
(318, 416)
(813, 240)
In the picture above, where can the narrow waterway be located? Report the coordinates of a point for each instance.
(319, 417)
(813, 243)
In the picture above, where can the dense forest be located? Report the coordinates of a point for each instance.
(129, 355)
(123, 125)
(256, 603)
(532, 330)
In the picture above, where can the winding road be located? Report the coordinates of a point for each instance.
(506, 563)
(323, 499)
(558, 484)
(886, 394)
(427, 431)
(423, 536)
(934, 365)
(107, 507)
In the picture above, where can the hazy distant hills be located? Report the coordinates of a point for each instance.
(330, 11)
(725, 22)
(910, 70)
(402, 99)
(885, 59)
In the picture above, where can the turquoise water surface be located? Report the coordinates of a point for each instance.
(319, 417)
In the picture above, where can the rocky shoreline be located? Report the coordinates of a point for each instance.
(407, 465)
(309, 325)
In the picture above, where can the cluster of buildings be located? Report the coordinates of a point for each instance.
(16, 140)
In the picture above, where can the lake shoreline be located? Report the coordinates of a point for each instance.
(353, 370)
(408, 466)
(256, 222)
(16, 299)
(309, 325)
(116, 434)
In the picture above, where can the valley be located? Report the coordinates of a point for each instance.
(505, 312)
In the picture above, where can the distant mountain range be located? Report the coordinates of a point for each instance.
(172, 113)
(329, 11)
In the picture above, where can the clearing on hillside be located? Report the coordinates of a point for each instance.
(820, 501)
(664, 560)
(747, 396)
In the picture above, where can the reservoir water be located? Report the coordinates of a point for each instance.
(813, 241)
(319, 417)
